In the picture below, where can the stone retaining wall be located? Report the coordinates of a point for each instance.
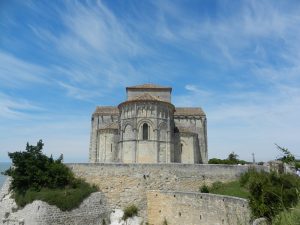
(125, 184)
(179, 208)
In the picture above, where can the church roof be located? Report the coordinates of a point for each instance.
(146, 96)
(188, 111)
(149, 86)
(106, 110)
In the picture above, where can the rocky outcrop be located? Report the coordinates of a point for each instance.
(92, 211)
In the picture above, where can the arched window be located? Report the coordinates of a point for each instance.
(145, 131)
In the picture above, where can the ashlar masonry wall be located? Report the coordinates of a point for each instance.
(125, 184)
(196, 208)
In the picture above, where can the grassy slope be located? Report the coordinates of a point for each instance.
(232, 189)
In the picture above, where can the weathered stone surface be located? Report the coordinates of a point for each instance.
(92, 211)
(196, 208)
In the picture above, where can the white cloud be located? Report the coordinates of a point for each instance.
(15, 72)
(250, 92)
(78, 93)
(12, 108)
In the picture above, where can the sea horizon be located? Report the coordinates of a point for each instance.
(3, 166)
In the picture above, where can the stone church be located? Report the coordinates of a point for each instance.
(148, 128)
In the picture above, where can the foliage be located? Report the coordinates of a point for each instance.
(288, 217)
(287, 156)
(297, 165)
(34, 170)
(130, 211)
(270, 193)
(216, 161)
(36, 176)
(204, 189)
(232, 159)
(64, 198)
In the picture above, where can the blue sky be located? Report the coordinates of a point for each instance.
(238, 60)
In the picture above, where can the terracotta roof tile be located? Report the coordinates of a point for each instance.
(188, 111)
(106, 110)
(148, 86)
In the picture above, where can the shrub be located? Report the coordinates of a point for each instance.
(34, 170)
(130, 211)
(204, 189)
(270, 193)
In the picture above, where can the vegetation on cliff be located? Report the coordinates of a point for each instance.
(270, 193)
(130, 211)
(36, 176)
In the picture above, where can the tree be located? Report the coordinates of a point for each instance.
(33, 170)
(233, 158)
(287, 156)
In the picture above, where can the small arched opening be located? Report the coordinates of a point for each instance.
(145, 131)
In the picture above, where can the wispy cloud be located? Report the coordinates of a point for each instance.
(12, 108)
(15, 72)
(77, 92)
(237, 60)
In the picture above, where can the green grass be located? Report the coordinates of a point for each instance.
(288, 217)
(231, 188)
(66, 199)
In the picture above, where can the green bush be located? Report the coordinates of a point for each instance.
(38, 177)
(204, 189)
(34, 170)
(270, 193)
(130, 211)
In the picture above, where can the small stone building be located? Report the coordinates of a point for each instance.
(148, 128)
